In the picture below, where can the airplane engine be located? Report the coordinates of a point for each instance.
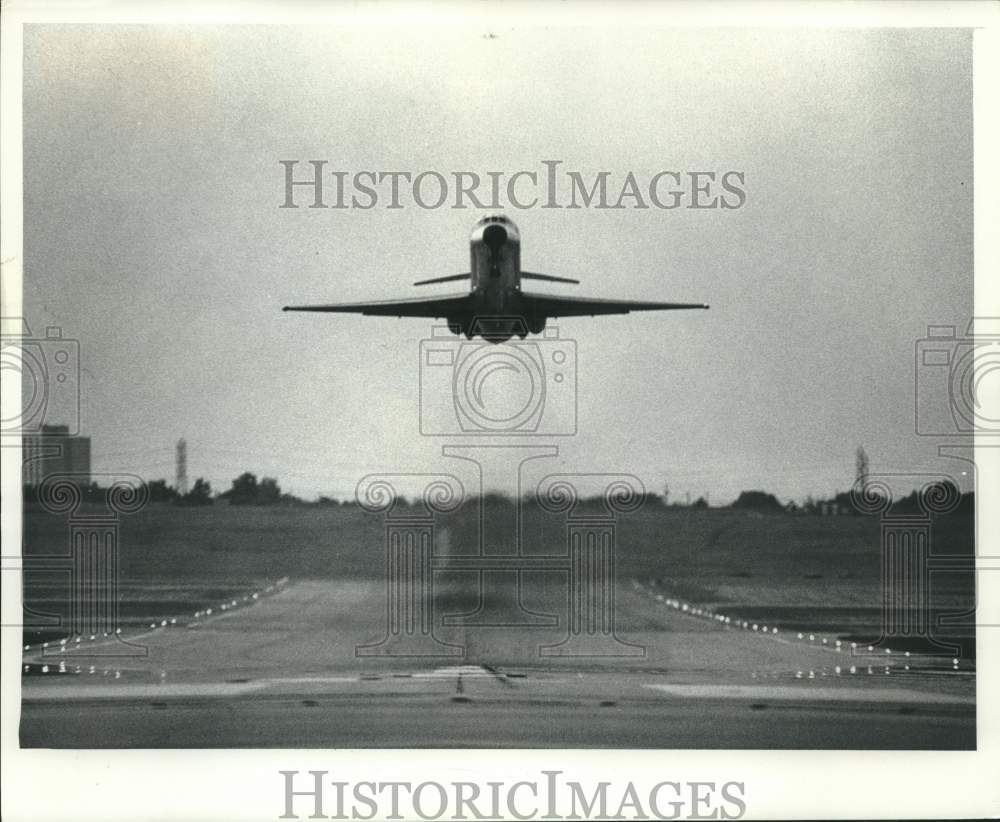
(455, 326)
(536, 325)
(494, 237)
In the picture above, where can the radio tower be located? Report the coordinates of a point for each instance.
(182, 466)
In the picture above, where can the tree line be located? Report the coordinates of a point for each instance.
(247, 489)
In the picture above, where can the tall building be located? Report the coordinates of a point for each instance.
(54, 451)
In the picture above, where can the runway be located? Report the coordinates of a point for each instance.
(284, 670)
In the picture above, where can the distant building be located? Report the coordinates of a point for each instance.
(54, 451)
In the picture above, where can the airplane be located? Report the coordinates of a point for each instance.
(495, 308)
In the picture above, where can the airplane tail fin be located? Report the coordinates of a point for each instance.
(527, 275)
(449, 279)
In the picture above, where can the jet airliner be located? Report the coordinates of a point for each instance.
(495, 308)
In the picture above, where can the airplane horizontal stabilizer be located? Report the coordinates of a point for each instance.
(449, 279)
(527, 275)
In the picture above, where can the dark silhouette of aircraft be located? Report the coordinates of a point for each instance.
(495, 308)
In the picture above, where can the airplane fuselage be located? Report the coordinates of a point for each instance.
(498, 313)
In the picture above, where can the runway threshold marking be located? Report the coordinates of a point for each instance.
(808, 692)
(67, 693)
(119, 690)
(451, 671)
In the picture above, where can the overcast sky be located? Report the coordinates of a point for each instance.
(153, 235)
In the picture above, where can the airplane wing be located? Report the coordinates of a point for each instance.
(440, 306)
(550, 306)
